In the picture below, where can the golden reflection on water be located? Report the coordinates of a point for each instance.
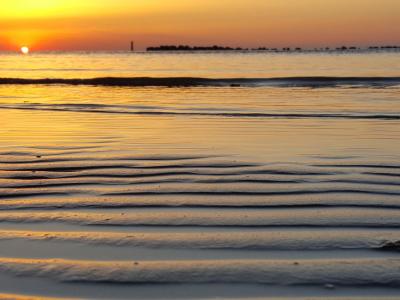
(218, 65)
(266, 140)
(113, 117)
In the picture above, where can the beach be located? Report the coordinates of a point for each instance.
(200, 175)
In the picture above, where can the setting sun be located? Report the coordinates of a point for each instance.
(24, 50)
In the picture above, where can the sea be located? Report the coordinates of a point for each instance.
(200, 175)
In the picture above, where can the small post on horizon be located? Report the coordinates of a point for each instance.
(132, 46)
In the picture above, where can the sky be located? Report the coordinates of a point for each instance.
(112, 24)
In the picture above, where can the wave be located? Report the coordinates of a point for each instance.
(110, 109)
(313, 81)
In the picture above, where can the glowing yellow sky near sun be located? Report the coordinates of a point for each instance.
(110, 24)
(24, 9)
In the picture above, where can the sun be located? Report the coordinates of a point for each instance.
(24, 50)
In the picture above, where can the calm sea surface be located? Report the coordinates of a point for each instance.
(283, 189)
(219, 65)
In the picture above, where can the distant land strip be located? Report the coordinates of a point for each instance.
(272, 49)
(211, 82)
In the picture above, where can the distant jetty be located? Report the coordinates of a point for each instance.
(183, 48)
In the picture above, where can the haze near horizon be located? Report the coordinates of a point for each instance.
(110, 25)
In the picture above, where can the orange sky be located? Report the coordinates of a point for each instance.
(111, 24)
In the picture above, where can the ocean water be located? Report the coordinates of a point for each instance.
(236, 175)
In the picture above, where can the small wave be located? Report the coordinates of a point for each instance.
(121, 110)
(314, 82)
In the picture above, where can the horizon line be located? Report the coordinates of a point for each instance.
(209, 48)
